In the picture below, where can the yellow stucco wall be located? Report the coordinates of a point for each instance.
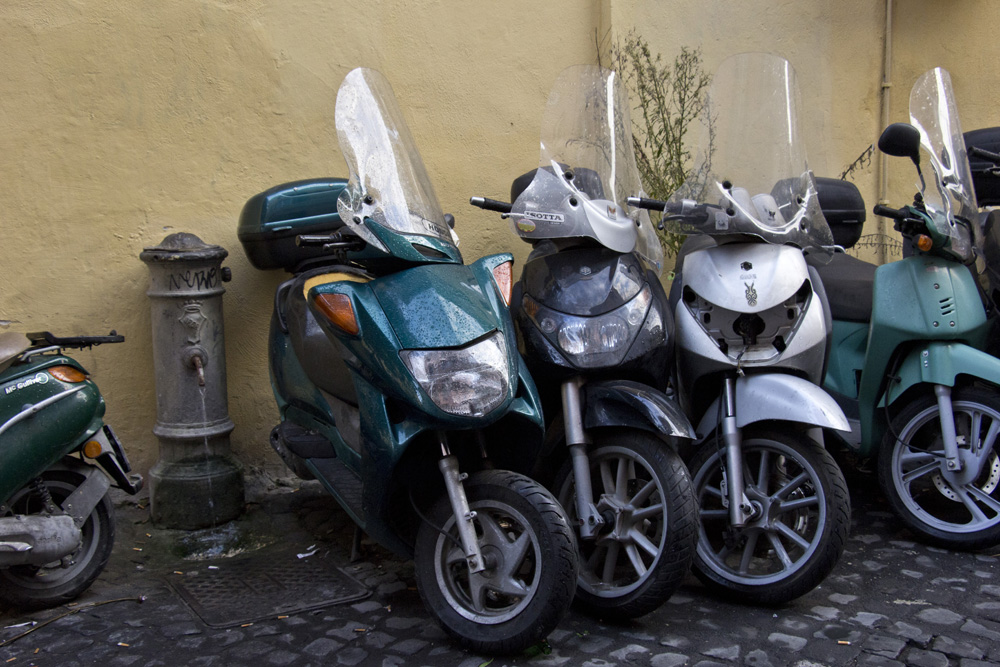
(121, 122)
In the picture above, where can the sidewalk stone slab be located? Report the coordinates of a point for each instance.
(790, 642)
(957, 649)
(668, 660)
(920, 658)
(887, 647)
(986, 629)
(939, 616)
(917, 635)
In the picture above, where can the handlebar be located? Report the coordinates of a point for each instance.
(985, 154)
(887, 212)
(491, 204)
(648, 204)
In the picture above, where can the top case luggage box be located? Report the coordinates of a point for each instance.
(271, 220)
(844, 209)
(986, 185)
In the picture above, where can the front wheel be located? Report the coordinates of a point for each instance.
(530, 556)
(952, 509)
(38, 587)
(796, 533)
(644, 549)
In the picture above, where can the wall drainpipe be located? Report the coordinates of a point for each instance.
(883, 161)
(195, 483)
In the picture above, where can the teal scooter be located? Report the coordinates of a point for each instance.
(907, 360)
(399, 386)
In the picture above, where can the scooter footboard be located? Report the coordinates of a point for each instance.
(778, 397)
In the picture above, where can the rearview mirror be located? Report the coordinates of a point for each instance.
(901, 140)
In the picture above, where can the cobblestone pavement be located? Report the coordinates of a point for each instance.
(890, 601)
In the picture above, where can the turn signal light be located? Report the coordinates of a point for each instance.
(501, 274)
(67, 374)
(92, 449)
(924, 242)
(338, 309)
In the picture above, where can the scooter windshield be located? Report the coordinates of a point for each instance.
(751, 160)
(587, 169)
(950, 196)
(388, 183)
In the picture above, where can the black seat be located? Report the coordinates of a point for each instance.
(848, 282)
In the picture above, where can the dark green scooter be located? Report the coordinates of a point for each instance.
(57, 523)
(396, 373)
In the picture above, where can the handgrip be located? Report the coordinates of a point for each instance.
(887, 212)
(491, 204)
(648, 204)
(985, 154)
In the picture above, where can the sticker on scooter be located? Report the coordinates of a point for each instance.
(544, 217)
(751, 294)
(40, 378)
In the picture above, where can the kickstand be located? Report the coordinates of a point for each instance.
(356, 544)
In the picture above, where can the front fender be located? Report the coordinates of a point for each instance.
(941, 363)
(937, 362)
(778, 397)
(632, 404)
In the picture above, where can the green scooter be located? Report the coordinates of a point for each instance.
(57, 523)
(396, 374)
(907, 360)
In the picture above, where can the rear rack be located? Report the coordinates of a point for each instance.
(77, 342)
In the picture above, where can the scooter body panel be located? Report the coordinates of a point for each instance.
(428, 307)
(917, 301)
(30, 441)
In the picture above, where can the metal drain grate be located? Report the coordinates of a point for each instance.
(265, 585)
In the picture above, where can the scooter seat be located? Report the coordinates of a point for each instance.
(12, 345)
(848, 282)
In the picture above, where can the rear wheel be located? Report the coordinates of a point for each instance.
(530, 554)
(953, 509)
(645, 547)
(801, 516)
(38, 587)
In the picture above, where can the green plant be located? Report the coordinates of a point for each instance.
(667, 98)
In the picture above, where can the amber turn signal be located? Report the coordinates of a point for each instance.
(338, 309)
(92, 449)
(924, 242)
(67, 374)
(501, 274)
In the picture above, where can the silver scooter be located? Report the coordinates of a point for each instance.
(751, 335)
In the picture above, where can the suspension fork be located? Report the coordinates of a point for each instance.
(739, 506)
(577, 440)
(463, 514)
(949, 438)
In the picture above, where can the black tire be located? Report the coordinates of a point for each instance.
(956, 511)
(531, 556)
(661, 541)
(34, 587)
(802, 538)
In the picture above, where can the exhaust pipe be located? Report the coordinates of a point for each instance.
(37, 540)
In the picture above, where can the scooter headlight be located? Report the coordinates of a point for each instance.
(593, 342)
(470, 382)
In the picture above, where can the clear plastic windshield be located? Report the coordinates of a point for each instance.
(587, 169)
(950, 193)
(388, 181)
(751, 160)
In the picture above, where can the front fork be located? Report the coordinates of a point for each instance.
(464, 515)
(740, 511)
(578, 441)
